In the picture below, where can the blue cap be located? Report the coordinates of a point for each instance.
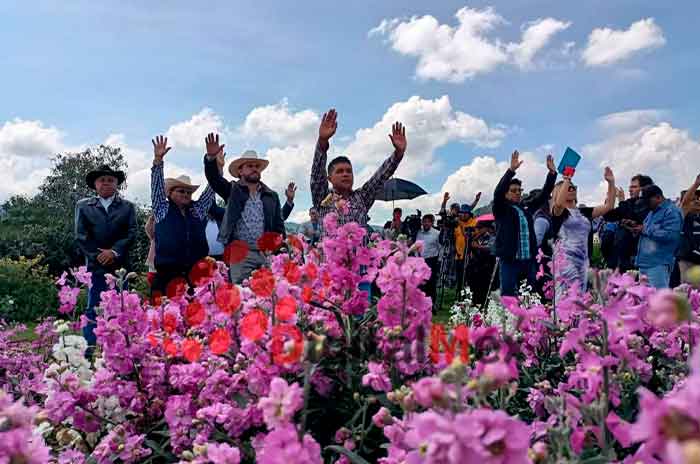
(465, 209)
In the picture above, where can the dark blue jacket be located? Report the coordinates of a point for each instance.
(181, 240)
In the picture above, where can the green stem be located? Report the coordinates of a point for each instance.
(307, 389)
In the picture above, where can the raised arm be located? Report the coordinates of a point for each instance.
(159, 200)
(687, 201)
(476, 201)
(388, 167)
(213, 166)
(443, 205)
(319, 176)
(546, 193)
(610, 198)
(289, 204)
(499, 194)
(559, 204)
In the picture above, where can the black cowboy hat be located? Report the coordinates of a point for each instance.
(104, 170)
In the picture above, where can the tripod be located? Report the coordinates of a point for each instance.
(447, 263)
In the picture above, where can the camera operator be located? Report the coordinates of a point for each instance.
(395, 227)
(431, 252)
(465, 226)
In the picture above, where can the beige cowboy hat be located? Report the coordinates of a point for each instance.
(246, 157)
(180, 181)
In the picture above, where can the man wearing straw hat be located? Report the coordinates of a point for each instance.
(180, 222)
(105, 229)
(252, 208)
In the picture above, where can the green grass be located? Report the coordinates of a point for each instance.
(442, 314)
(28, 334)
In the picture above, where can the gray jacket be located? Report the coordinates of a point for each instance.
(96, 228)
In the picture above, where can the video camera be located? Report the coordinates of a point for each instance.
(413, 224)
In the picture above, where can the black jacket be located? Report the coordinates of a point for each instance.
(236, 195)
(96, 228)
(507, 225)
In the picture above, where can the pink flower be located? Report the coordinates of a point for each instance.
(281, 403)
(282, 445)
(382, 418)
(667, 309)
(428, 391)
(83, 276)
(377, 378)
(222, 453)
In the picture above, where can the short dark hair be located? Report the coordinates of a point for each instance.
(398, 210)
(652, 191)
(336, 161)
(429, 216)
(454, 206)
(643, 180)
(515, 181)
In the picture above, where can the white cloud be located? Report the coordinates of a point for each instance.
(629, 120)
(278, 125)
(430, 124)
(535, 37)
(607, 46)
(671, 156)
(455, 53)
(191, 133)
(30, 139)
(21, 175)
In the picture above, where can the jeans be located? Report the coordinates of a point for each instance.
(238, 272)
(659, 276)
(99, 285)
(512, 272)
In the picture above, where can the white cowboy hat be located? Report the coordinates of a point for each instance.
(180, 181)
(246, 157)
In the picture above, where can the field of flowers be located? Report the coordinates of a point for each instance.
(298, 366)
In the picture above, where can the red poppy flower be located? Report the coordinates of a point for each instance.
(169, 322)
(176, 288)
(202, 271)
(310, 271)
(170, 347)
(219, 341)
(191, 349)
(307, 294)
(254, 325)
(262, 282)
(152, 339)
(194, 313)
(228, 298)
(269, 242)
(295, 242)
(280, 335)
(291, 272)
(286, 308)
(235, 252)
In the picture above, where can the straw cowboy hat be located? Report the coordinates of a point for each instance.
(248, 156)
(104, 170)
(179, 182)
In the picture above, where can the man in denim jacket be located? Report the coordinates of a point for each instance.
(659, 237)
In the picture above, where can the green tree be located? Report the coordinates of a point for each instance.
(43, 225)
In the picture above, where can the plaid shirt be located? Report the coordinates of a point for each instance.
(359, 201)
(160, 202)
(523, 252)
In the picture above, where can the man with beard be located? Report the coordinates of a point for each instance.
(251, 207)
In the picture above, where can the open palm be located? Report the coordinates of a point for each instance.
(329, 124)
(398, 137)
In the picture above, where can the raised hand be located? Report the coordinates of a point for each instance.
(477, 197)
(221, 160)
(608, 175)
(398, 138)
(515, 162)
(446, 197)
(550, 164)
(620, 194)
(160, 148)
(329, 124)
(290, 192)
(212, 144)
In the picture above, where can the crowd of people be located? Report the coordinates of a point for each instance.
(646, 231)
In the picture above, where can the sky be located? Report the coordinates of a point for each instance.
(616, 81)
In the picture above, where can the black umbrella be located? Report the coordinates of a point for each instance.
(399, 189)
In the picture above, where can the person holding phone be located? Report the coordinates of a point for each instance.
(573, 231)
(515, 245)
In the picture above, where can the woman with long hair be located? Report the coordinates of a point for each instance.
(573, 227)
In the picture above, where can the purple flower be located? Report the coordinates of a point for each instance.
(667, 309)
(281, 403)
(282, 445)
(377, 378)
(430, 391)
(223, 454)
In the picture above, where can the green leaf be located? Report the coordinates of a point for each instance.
(354, 458)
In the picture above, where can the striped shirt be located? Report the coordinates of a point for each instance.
(160, 202)
(523, 252)
(360, 201)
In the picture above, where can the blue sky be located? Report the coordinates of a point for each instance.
(80, 73)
